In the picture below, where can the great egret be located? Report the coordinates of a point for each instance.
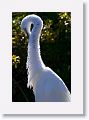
(47, 85)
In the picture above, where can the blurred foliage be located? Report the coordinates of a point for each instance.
(55, 43)
(15, 60)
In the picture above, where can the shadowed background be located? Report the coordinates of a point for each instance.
(55, 48)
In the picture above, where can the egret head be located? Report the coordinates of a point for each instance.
(31, 19)
(24, 24)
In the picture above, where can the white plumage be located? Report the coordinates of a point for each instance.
(47, 85)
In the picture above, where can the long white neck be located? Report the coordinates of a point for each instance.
(34, 61)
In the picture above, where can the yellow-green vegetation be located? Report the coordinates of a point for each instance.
(15, 60)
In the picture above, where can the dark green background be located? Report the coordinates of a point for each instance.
(55, 50)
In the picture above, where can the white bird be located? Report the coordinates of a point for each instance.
(47, 85)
